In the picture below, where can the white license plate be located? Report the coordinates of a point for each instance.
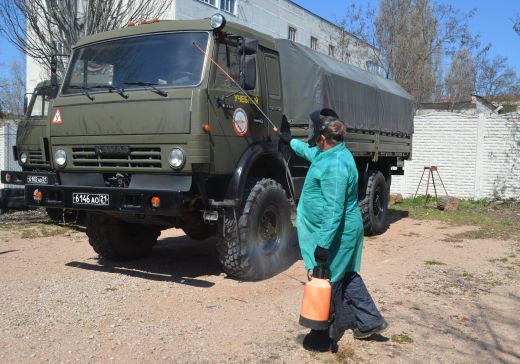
(95, 199)
(37, 180)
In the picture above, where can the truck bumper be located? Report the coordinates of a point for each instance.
(12, 199)
(27, 177)
(105, 199)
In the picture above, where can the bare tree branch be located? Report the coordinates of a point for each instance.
(36, 27)
(12, 91)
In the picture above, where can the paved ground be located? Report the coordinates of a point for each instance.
(446, 301)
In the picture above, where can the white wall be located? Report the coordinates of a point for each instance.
(477, 156)
(7, 140)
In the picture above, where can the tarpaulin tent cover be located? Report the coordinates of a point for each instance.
(363, 100)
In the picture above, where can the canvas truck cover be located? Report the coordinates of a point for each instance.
(363, 100)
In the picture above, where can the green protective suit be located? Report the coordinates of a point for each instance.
(328, 214)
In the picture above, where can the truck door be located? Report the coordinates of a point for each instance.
(272, 90)
(233, 119)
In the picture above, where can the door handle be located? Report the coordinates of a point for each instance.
(275, 108)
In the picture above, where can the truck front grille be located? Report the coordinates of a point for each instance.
(36, 158)
(139, 157)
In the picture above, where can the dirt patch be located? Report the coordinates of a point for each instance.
(60, 303)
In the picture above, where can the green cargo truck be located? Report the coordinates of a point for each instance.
(148, 133)
(31, 149)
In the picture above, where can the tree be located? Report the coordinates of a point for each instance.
(460, 80)
(516, 26)
(12, 91)
(412, 39)
(43, 28)
(353, 32)
(493, 75)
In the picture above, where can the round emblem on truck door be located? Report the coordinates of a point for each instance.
(240, 124)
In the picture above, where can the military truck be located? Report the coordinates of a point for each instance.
(174, 124)
(32, 147)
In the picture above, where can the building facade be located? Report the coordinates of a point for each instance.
(277, 18)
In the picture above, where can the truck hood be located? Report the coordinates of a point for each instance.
(142, 113)
(31, 131)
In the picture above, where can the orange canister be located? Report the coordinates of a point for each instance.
(317, 293)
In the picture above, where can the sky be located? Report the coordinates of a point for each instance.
(493, 21)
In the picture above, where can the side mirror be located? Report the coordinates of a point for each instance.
(54, 77)
(25, 104)
(248, 79)
(247, 46)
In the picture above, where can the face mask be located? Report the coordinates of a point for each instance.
(315, 129)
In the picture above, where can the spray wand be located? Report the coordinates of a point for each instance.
(275, 129)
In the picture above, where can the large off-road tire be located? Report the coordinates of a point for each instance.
(55, 215)
(66, 216)
(264, 229)
(118, 240)
(374, 205)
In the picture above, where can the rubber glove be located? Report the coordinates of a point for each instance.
(284, 137)
(321, 255)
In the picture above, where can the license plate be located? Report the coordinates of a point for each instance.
(95, 199)
(37, 180)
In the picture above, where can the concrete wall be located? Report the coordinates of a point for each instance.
(7, 140)
(477, 156)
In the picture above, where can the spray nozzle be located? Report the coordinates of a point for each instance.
(321, 271)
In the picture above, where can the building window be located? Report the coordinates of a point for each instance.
(314, 43)
(228, 6)
(58, 48)
(371, 67)
(332, 50)
(292, 34)
(210, 2)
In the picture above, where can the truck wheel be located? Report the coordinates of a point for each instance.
(374, 206)
(118, 240)
(264, 226)
(55, 215)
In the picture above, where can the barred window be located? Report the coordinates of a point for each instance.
(210, 2)
(292, 34)
(228, 6)
(332, 50)
(314, 43)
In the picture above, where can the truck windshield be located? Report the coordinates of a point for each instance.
(163, 60)
(39, 104)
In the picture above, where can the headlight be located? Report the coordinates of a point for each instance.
(176, 158)
(218, 21)
(23, 158)
(60, 157)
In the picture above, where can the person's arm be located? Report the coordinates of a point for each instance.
(334, 186)
(302, 149)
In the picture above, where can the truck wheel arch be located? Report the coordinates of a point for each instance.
(259, 160)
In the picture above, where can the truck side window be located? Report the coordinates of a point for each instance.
(229, 59)
(273, 72)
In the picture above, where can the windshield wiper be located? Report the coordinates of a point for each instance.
(84, 89)
(110, 88)
(148, 84)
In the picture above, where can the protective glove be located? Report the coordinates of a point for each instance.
(284, 137)
(321, 255)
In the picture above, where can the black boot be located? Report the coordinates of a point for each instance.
(317, 340)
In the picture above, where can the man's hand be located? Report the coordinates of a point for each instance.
(321, 255)
(284, 137)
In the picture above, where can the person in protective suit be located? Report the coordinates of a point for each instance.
(330, 230)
